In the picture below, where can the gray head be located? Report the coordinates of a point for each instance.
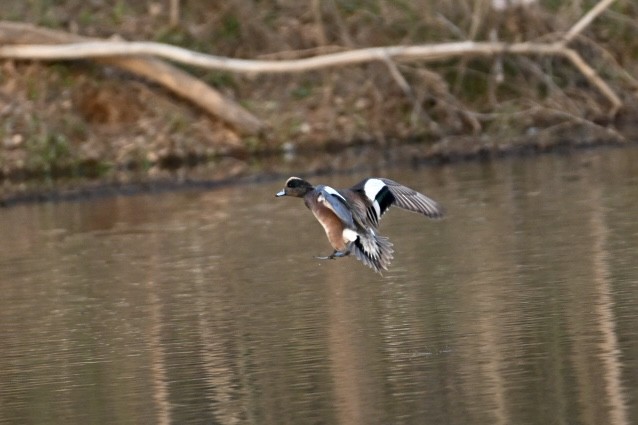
(295, 187)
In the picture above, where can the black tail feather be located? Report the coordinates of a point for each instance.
(373, 251)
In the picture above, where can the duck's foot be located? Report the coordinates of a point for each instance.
(335, 254)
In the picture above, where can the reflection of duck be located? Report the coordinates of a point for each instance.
(350, 216)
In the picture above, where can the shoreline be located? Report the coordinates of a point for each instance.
(232, 172)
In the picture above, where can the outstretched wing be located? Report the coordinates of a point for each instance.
(411, 200)
(381, 194)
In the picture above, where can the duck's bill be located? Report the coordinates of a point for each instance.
(280, 193)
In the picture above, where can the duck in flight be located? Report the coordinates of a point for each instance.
(350, 217)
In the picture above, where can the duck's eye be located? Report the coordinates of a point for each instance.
(294, 183)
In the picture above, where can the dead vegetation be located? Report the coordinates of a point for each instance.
(75, 117)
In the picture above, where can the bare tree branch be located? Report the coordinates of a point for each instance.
(587, 19)
(428, 52)
(174, 79)
(593, 78)
(118, 52)
(111, 49)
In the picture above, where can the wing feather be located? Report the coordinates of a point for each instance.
(411, 200)
(334, 201)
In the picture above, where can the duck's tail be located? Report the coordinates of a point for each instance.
(373, 250)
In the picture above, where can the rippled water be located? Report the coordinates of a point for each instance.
(208, 306)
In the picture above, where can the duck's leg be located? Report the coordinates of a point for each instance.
(335, 254)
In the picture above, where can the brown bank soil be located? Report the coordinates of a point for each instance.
(79, 130)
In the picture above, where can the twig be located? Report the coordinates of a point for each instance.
(405, 87)
(174, 12)
(593, 78)
(587, 19)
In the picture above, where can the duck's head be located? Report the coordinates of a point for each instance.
(295, 186)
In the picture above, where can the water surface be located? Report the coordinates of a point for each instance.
(521, 307)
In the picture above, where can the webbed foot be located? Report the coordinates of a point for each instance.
(335, 254)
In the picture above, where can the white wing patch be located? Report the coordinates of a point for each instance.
(372, 189)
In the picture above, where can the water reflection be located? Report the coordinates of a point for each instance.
(207, 307)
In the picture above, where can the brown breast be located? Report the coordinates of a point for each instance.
(331, 224)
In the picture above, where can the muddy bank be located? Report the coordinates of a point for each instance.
(233, 171)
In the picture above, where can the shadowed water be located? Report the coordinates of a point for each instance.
(521, 307)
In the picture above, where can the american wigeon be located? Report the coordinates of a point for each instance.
(350, 217)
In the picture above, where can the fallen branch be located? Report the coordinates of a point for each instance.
(110, 49)
(428, 52)
(168, 76)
